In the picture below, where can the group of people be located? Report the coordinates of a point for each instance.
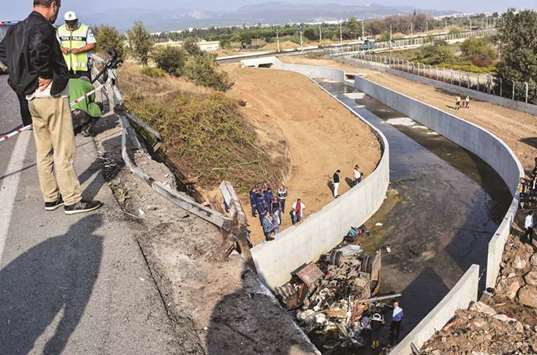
(460, 102)
(527, 200)
(40, 61)
(336, 179)
(269, 206)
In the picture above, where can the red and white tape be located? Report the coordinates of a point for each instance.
(14, 133)
(17, 131)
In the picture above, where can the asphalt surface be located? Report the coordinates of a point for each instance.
(70, 284)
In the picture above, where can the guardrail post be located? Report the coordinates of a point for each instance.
(526, 84)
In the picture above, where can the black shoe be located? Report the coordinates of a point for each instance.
(52, 206)
(83, 207)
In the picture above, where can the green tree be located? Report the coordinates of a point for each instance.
(518, 46)
(354, 27)
(190, 45)
(171, 60)
(479, 51)
(108, 37)
(140, 42)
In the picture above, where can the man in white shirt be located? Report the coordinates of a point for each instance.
(357, 175)
(395, 327)
(528, 226)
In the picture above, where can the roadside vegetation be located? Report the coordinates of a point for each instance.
(205, 137)
(264, 37)
(474, 55)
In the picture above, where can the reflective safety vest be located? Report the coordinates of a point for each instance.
(74, 39)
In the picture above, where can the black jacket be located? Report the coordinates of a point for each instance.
(31, 51)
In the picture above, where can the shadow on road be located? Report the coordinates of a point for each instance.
(49, 286)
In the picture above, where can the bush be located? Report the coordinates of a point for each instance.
(203, 71)
(190, 45)
(479, 51)
(108, 37)
(438, 53)
(171, 60)
(153, 72)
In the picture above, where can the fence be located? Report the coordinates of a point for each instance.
(407, 43)
(525, 92)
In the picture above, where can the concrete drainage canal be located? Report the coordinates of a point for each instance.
(443, 206)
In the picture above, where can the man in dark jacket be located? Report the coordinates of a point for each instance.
(38, 71)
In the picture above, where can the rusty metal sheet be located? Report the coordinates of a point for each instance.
(309, 274)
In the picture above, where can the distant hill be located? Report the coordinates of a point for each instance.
(265, 13)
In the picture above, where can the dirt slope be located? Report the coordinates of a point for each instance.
(318, 134)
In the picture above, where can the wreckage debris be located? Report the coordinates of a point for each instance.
(332, 298)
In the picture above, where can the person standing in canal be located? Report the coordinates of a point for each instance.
(457, 102)
(528, 226)
(395, 326)
(467, 102)
(356, 175)
(253, 201)
(336, 179)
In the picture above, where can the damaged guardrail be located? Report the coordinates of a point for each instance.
(115, 100)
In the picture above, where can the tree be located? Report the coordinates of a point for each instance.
(190, 45)
(108, 37)
(479, 51)
(140, 42)
(310, 34)
(171, 60)
(354, 27)
(518, 46)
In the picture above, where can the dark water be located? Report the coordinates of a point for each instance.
(447, 204)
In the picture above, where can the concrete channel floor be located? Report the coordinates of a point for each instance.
(70, 284)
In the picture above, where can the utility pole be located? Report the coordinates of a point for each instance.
(320, 35)
(341, 32)
(278, 40)
(390, 38)
(363, 30)
(411, 28)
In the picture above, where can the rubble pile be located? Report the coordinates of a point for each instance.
(482, 330)
(332, 299)
(518, 276)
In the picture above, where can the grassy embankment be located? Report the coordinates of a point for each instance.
(205, 137)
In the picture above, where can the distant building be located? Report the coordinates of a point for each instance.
(209, 46)
(206, 46)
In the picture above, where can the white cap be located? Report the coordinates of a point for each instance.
(70, 16)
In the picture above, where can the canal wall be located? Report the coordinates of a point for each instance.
(490, 149)
(322, 231)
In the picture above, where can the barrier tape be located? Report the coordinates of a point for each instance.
(17, 131)
(14, 133)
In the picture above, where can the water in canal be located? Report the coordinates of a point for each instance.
(443, 207)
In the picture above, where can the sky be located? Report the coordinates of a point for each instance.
(18, 9)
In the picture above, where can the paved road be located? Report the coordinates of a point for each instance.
(70, 284)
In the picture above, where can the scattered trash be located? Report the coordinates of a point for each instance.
(379, 224)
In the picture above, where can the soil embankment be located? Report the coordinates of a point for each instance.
(318, 134)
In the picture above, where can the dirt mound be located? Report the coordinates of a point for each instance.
(293, 117)
(283, 45)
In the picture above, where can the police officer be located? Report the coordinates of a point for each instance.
(77, 41)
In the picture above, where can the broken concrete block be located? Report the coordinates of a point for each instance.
(528, 296)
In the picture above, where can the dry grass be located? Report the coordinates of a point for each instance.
(205, 137)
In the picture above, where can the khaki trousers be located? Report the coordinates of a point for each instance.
(55, 149)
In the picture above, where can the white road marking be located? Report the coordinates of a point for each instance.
(10, 185)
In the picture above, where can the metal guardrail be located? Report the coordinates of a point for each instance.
(116, 105)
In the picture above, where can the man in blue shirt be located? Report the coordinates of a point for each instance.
(395, 327)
